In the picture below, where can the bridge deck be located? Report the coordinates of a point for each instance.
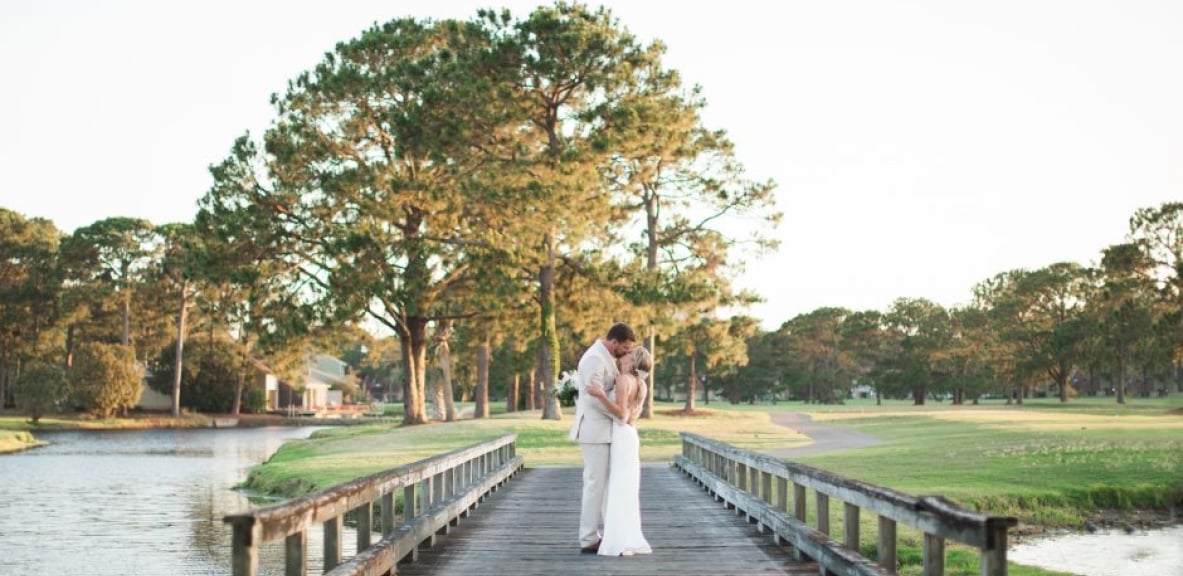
(530, 525)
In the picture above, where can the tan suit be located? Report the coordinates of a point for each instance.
(593, 430)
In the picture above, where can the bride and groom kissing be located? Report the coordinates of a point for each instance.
(612, 389)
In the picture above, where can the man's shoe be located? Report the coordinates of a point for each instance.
(590, 549)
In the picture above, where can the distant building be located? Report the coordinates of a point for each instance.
(312, 393)
(862, 391)
(153, 401)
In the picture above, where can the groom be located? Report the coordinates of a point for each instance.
(593, 427)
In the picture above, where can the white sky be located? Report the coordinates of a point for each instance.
(920, 147)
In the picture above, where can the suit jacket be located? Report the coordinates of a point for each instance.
(593, 422)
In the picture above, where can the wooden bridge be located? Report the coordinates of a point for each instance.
(715, 510)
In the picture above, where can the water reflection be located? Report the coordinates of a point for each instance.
(129, 502)
(1113, 553)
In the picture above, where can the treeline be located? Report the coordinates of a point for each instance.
(494, 192)
(1115, 328)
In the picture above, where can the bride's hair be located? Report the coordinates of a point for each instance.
(642, 361)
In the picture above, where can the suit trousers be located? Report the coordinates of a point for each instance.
(595, 482)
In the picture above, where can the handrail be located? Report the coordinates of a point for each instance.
(745, 480)
(436, 492)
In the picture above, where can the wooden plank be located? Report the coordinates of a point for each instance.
(530, 527)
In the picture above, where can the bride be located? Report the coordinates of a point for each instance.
(622, 507)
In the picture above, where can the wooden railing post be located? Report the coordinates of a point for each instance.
(332, 542)
(387, 514)
(410, 512)
(934, 555)
(887, 544)
(365, 521)
(245, 548)
(427, 497)
(994, 555)
(295, 560)
(850, 525)
(799, 511)
(823, 513)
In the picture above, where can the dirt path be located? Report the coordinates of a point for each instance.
(826, 437)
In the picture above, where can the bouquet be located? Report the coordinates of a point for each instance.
(567, 388)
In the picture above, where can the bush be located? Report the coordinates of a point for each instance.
(39, 389)
(105, 378)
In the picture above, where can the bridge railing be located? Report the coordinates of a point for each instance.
(435, 492)
(759, 486)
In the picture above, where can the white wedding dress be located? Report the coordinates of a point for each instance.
(622, 503)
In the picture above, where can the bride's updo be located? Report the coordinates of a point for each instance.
(642, 361)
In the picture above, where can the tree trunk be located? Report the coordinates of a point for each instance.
(481, 394)
(531, 392)
(647, 409)
(1119, 385)
(413, 340)
(3, 376)
(177, 363)
(548, 349)
(125, 309)
(437, 400)
(809, 392)
(443, 353)
(511, 395)
(69, 350)
(691, 385)
(240, 385)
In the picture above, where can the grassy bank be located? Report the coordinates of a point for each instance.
(15, 441)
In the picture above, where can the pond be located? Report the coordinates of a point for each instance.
(1156, 552)
(128, 502)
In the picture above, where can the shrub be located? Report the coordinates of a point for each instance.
(39, 389)
(105, 378)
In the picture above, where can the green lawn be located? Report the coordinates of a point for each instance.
(1046, 465)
